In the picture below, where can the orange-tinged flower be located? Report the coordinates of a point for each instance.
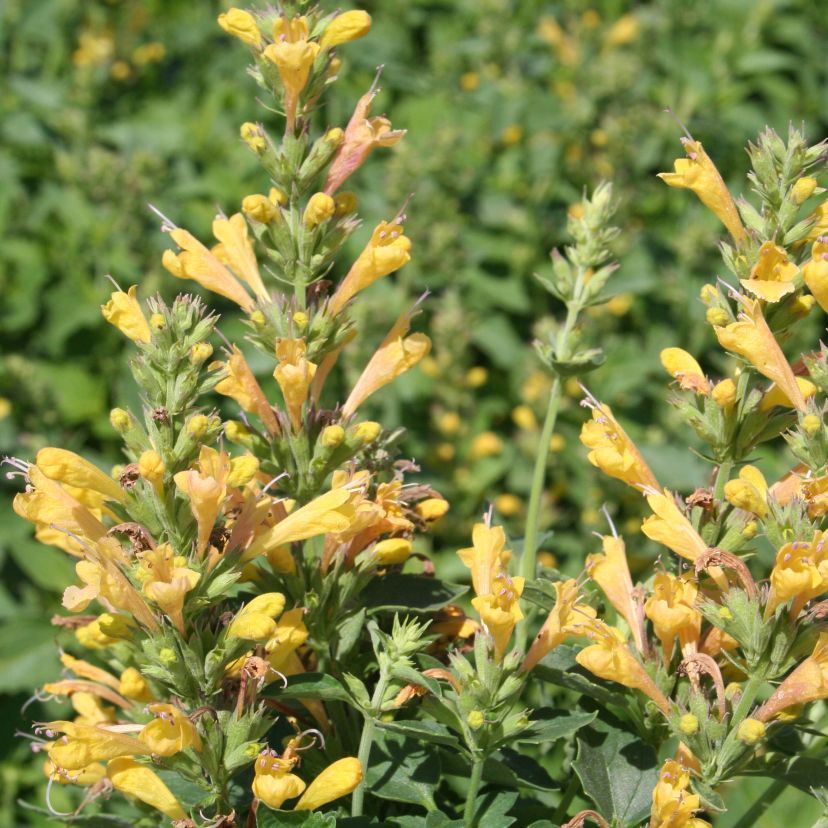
(240, 384)
(672, 610)
(170, 732)
(396, 354)
(772, 277)
(749, 491)
(294, 373)
(486, 557)
(362, 135)
(133, 778)
(609, 658)
(683, 367)
(236, 251)
(611, 572)
(387, 250)
(338, 779)
(751, 338)
(206, 488)
(166, 580)
(699, 174)
(612, 451)
(123, 310)
(807, 683)
(562, 621)
(500, 610)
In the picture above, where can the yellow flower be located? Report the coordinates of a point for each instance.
(609, 658)
(724, 393)
(485, 445)
(800, 573)
(256, 620)
(611, 572)
(71, 469)
(294, 55)
(612, 451)
(167, 581)
(771, 278)
(240, 384)
(134, 686)
(294, 373)
(235, 249)
(362, 135)
(387, 250)
(751, 338)
(749, 491)
(803, 189)
(563, 620)
(672, 610)
(392, 551)
(396, 354)
(124, 312)
(338, 779)
(319, 209)
(673, 805)
(751, 731)
(671, 528)
(259, 208)
(815, 271)
(699, 174)
(151, 467)
(82, 745)
(206, 489)
(499, 610)
(242, 470)
(774, 396)
(808, 682)
(683, 367)
(133, 778)
(486, 557)
(345, 27)
(90, 775)
(241, 24)
(196, 262)
(170, 732)
(273, 782)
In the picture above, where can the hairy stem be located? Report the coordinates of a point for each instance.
(474, 787)
(365, 743)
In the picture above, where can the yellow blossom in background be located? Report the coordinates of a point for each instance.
(699, 174)
(123, 310)
(486, 444)
(241, 24)
(771, 278)
(345, 27)
(684, 368)
(751, 338)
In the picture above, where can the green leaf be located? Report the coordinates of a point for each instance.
(409, 593)
(267, 818)
(491, 809)
(311, 686)
(618, 771)
(188, 793)
(549, 725)
(28, 654)
(509, 768)
(425, 731)
(561, 668)
(402, 769)
(348, 633)
(802, 772)
(710, 799)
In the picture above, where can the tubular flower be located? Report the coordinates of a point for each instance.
(673, 806)
(749, 491)
(294, 373)
(562, 621)
(683, 367)
(672, 610)
(84, 744)
(90, 775)
(338, 779)
(256, 620)
(396, 354)
(771, 278)
(807, 683)
(206, 488)
(294, 55)
(752, 339)
(612, 573)
(241, 24)
(273, 782)
(290, 634)
(609, 658)
(240, 384)
(486, 557)
(815, 271)
(362, 135)
(124, 312)
(499, 610)
(774, 396)
(345, 27)
(71, 469)
(668, 526)
(196, 262)
(800, 573)
(387, 250)
(166, 580)
(612, 451)
(330, 512)
(699, 174)
(236, 251)
(170, 732)
(133, 685)
(133, 778)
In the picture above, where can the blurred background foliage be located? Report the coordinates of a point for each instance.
(513, 107)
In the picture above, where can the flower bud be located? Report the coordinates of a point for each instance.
(432, 508)
(811, 424)
(158, 322)
(334, 137)
(524, 418)
(449, 422)
(167, 656)
(197, 426)
(259, 208)
(238, 433)
(200, 352)
(392, 551)
(724, 393)
(477, 376)
(320, 208)
(300, 319)
(120, 419)
(475, 719)
(277, 196)
(345, 27)
(803, 189)
(134, 686)
(115, 626)
(258, 319)
(253, 135)
(717, 316)
(151, 467)
(689, 724)
(750, 530)
(242, 470)
(367, 432)
(709, 294)
(345, 204)
(332, 436)
(751, 731)
(241, 24)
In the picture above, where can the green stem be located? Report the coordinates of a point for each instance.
(365, 743)
(771, 794)
(752, 688)
(566, 799)
(722, 476)
(474, 787)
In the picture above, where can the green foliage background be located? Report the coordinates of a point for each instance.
(512, 109)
